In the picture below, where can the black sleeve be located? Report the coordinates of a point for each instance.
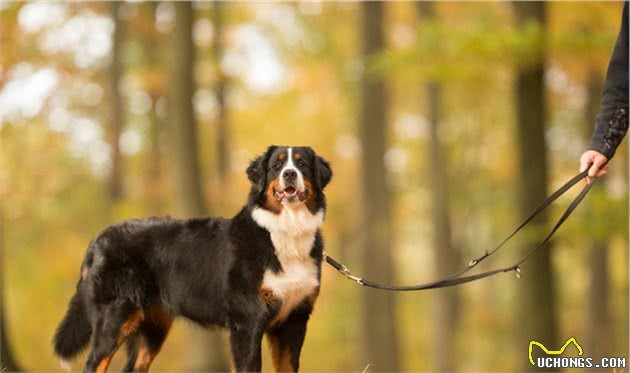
(612, 122)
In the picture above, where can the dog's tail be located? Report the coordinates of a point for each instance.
(74, 331)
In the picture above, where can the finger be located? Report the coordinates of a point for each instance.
(592, 171)
(588, 180)
(602, 171)
(597, 164)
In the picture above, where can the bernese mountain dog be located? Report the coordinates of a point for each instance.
(255, 274)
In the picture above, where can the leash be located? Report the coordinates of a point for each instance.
(457, 278)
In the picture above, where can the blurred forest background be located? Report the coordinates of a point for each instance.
(445, 123)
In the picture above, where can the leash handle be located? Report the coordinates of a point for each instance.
(457, 278)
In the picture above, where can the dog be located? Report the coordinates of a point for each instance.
(255, 274)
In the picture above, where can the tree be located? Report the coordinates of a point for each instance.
(223, 132)
(206, 349)
(446, 257)
(380, 342)
(7, 359)
(599, 333)
(116, 105)
(537, 301)
(152, 68)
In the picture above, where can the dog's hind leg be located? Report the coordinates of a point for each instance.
(133, 346)
(113, 325)
(147, 342)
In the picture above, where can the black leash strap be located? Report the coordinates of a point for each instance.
(457, 278)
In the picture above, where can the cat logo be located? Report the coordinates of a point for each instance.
(554, 352)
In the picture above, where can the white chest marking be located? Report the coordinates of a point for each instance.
(292, 234)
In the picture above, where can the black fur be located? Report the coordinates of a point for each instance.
(74, 330)
(208, 270)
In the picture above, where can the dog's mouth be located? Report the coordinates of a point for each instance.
(290, 193)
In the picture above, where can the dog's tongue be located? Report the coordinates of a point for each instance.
(289, 190)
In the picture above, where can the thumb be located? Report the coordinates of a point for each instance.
(585, 161)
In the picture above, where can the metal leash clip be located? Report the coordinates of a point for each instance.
(356, 279)
(342, 269)
(346, 272)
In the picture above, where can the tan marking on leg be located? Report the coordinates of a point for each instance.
(102, 366)
(126, 329)
(281, 358)
(275, 352)
(158, 317)
(285, 362)
(130, 326)
(145, 357)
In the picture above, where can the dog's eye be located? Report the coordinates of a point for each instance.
(276, 165)
(301, 163)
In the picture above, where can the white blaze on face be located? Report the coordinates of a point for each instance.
(299, 181)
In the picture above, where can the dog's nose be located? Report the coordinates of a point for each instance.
(289, 175)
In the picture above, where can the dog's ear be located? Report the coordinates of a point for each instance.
(323, 173)
(257, 169)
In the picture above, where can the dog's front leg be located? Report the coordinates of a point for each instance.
(246, 343)
(286, 340)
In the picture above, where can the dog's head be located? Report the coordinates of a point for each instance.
(288, 177)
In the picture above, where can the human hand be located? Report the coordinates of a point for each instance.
(595, 162)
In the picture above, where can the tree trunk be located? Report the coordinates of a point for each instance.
(7, 359)
(206, 349)
(537, 308)
(223, 133)
(182, 116)
(380, 342)
(599, 332)
(155, 155)
(116, 106)
(152, 63)
(446, 256)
